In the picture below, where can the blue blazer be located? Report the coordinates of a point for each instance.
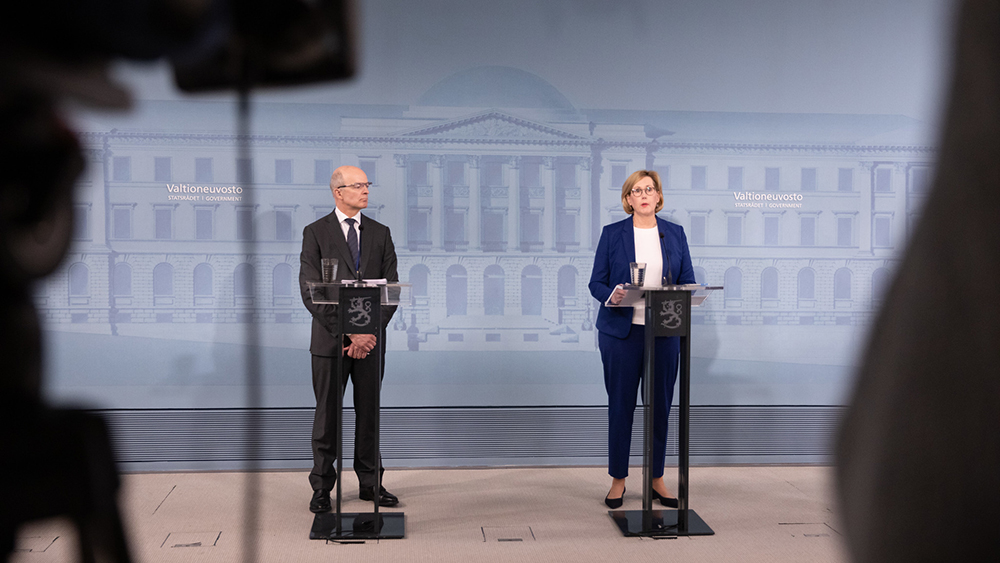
(611, 267)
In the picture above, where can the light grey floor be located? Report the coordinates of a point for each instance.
(759, 513)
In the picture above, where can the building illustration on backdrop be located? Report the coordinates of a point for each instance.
(496, 189)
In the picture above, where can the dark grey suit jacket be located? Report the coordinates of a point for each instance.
(325, 239)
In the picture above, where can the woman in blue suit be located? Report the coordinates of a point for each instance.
(643, 237)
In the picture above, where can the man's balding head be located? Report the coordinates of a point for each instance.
(350, 199)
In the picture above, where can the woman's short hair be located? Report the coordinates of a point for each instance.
(633, 180)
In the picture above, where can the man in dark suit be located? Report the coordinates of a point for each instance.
(357, 243)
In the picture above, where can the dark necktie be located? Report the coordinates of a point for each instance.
(352, 243)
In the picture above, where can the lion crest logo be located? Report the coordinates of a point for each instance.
(358, 312)
(671, 314)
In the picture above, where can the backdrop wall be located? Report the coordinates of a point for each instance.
(795, 140)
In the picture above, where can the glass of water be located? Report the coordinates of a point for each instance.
(637, 270)
(329, 269)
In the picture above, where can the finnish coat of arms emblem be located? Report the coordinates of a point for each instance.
(671, 314)
(359, 311)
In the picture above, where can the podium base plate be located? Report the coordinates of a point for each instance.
(358, 526)
(658, 523)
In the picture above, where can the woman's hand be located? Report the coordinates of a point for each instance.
(617, 295)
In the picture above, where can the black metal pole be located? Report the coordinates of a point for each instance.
(377, 496)
(683, 422)
(340, 418)
(648, 368)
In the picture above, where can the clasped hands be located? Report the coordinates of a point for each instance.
(360, 345)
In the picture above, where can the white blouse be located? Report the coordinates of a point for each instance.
(647, 249)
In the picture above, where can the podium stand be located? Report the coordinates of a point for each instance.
(360, 312)
(668, 313)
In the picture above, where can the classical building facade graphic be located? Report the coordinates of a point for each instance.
(496, 189)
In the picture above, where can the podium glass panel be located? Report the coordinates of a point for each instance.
(393, 294)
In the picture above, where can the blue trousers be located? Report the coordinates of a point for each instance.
(622, 359)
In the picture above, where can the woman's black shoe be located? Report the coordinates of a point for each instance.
(615, 502)
(669, 502)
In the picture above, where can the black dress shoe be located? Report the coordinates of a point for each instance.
(669, 502)
(385, 498)
(320, 501)
(615, 502)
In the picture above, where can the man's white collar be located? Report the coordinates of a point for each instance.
(341, 216)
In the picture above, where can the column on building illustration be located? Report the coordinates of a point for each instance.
(583, 213)
(401, 191)
(511, 179)
(900, 226)
(438, 216)
(548, 210)
(494, 202)
(567, 205)
(475, 203)
(456, 205)
(592, 206)
(532, 204)
(419, 202)
(866, 194)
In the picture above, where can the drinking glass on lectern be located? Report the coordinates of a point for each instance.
(637, 270)
(329, 269)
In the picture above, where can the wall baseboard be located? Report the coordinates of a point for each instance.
(215, 439)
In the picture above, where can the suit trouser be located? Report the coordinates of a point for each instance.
(622, 359)
(364, 375)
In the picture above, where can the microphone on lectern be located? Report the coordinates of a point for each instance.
(357, 271)
(669, 275)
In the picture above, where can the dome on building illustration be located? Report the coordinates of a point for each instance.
(494, 86)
